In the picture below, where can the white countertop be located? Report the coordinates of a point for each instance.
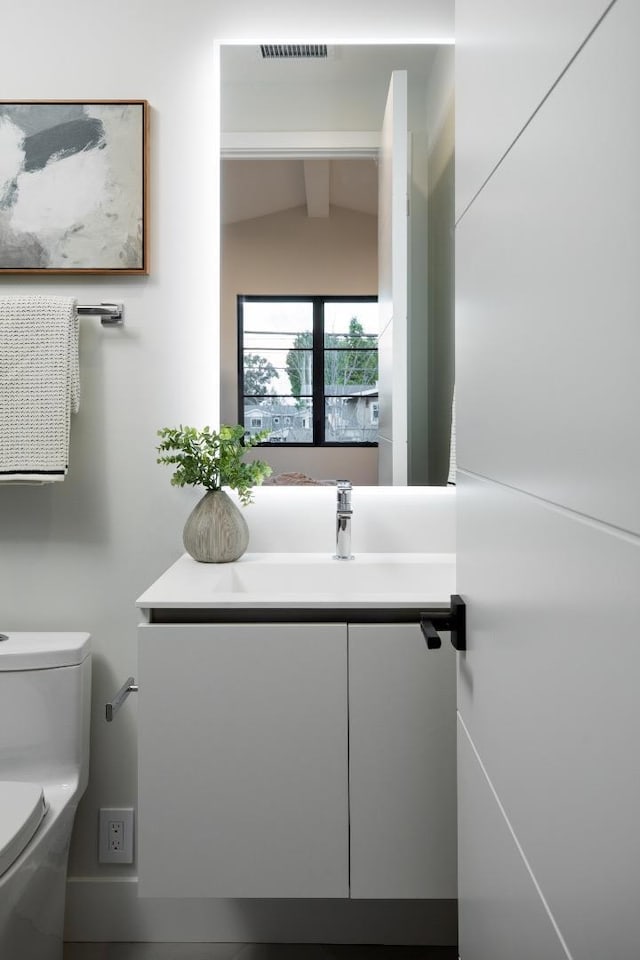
(306, 580)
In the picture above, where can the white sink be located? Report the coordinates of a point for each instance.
(307, 580)
(313, 575)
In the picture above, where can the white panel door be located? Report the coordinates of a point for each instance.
(243, 761)
(509, 53)
(402, 745)
(548, 555)
(548, 693)
(501, 912)
(393, 285)
(548, 337)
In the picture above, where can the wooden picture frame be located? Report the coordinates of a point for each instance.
(74, 187)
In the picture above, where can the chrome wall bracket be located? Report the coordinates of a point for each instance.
(111, 314)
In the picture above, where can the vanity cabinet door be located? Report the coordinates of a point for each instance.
(243, 761)
(402, 764)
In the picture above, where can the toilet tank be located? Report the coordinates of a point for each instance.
(45, 696)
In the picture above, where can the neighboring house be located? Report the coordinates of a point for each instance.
(351, 416)
(285, 422)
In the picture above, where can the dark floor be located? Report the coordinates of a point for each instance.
(253, 951)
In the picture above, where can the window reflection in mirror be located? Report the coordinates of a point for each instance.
(308, 369)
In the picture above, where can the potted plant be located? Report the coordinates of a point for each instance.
(216, 531)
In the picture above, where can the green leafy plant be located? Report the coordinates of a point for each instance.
(212, 459)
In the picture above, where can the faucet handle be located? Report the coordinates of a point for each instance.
(344, 494)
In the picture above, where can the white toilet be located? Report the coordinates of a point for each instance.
(45, 694)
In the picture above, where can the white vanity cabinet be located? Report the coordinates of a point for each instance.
(296, 747)
(243, 760)
(295, 760)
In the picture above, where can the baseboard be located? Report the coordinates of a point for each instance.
(101, 910)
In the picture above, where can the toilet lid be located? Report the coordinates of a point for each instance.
(22, 807)
(39, 651)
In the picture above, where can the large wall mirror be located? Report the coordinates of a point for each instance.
(337, 258)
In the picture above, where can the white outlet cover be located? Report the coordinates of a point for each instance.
(125, 816)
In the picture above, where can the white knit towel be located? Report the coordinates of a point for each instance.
(39, 386)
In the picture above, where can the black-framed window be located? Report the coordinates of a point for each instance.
(308, 369)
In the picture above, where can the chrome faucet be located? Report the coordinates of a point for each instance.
(343, 521)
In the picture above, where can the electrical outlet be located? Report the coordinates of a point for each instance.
(115, 835)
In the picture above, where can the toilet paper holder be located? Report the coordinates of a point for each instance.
(112, 707)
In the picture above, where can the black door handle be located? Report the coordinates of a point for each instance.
(453, 620)
(431, 635)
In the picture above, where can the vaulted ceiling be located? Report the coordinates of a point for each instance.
(256, 187)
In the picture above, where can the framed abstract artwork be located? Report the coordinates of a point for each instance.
(74, 187)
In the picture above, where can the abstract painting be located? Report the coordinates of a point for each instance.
(73, 187)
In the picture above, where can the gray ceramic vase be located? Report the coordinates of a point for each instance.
(216, 531)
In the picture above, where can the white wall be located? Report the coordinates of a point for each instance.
(547, 341)
(76, 557)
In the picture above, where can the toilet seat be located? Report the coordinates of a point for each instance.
(22, 807)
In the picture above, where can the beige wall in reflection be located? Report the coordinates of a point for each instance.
(291, 253)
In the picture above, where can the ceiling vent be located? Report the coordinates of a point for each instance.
(294, 51)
